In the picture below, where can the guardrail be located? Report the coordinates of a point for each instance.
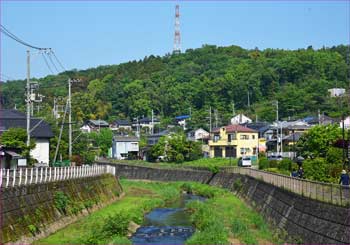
(326, 192)
(27, 176)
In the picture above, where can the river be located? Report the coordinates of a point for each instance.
(170, 225)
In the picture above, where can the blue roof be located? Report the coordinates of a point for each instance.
(182, 117)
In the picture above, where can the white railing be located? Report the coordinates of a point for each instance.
(27, 176)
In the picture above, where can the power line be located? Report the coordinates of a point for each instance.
(53, 63)
(47, 51)
(47, 64)
(6, 77)
(54, 55)
(17, 39)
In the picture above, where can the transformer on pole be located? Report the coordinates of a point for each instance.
(177, 37)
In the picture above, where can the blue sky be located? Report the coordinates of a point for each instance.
(87, 34)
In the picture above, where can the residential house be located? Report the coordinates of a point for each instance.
(10, 158)
(240, 119)
(120, 124)
(146, 123)
(319, 120)
(94, 125)
(153, 139)
(346, 123)
(40, 131)
(233, 141)
(181, 120)
(125, 147)
(285, 135)
(336, 92)
(200, 135)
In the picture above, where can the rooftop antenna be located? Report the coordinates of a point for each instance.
(177, 37)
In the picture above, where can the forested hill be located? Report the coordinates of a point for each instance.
(201, 78)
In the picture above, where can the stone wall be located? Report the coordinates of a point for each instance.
(303, 219)
(161, 174)
(33, 211)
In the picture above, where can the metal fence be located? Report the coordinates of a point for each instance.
(27, 176)
(326, 192)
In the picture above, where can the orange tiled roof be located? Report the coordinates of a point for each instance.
(235, 128)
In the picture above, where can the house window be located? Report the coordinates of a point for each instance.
(244, 137)
(216, 137)
(254, 151)
(231, 137)
(253, 137)
(245, 151)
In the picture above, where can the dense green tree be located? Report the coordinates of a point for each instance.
(210, 76)
(176, 148)
(102, 139)
(318, 141)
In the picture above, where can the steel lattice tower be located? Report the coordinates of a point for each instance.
(177, 36)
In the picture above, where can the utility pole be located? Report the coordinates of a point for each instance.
(54, 107)
(210, 126)
(216, 118)
(152, 132)
(277, 145)
(69, 119)
(138, 127)
(233, 109)
(281, 139)
(28, 98)
(248, 99)
(70, 81)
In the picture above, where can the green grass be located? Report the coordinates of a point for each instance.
(226, 219)
(218, 220)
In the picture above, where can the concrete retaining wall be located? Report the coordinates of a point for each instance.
(160, 174)
(30, 212)
(303, 219)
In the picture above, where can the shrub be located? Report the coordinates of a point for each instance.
(179, 158)
(273, 164)
(263, 163)
(214, 233)
(33, 229)
(187, 187)
(61, 201)
(237, 185)
(116, 225)
(285, 164)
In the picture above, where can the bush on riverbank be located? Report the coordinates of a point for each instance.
(223, 218)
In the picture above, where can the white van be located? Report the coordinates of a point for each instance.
(245, 162)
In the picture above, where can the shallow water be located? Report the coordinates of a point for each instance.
(167, 225)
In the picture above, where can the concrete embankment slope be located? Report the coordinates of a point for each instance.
(303, 219)
(33, 211)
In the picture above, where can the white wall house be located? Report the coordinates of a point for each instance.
(41, 150)
(125, 147)
(198, 135)
(336, 92)
(240, 119)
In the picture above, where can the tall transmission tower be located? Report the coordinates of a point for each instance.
(177, 36)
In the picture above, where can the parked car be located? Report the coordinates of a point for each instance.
(244, 162)
(276, 158)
